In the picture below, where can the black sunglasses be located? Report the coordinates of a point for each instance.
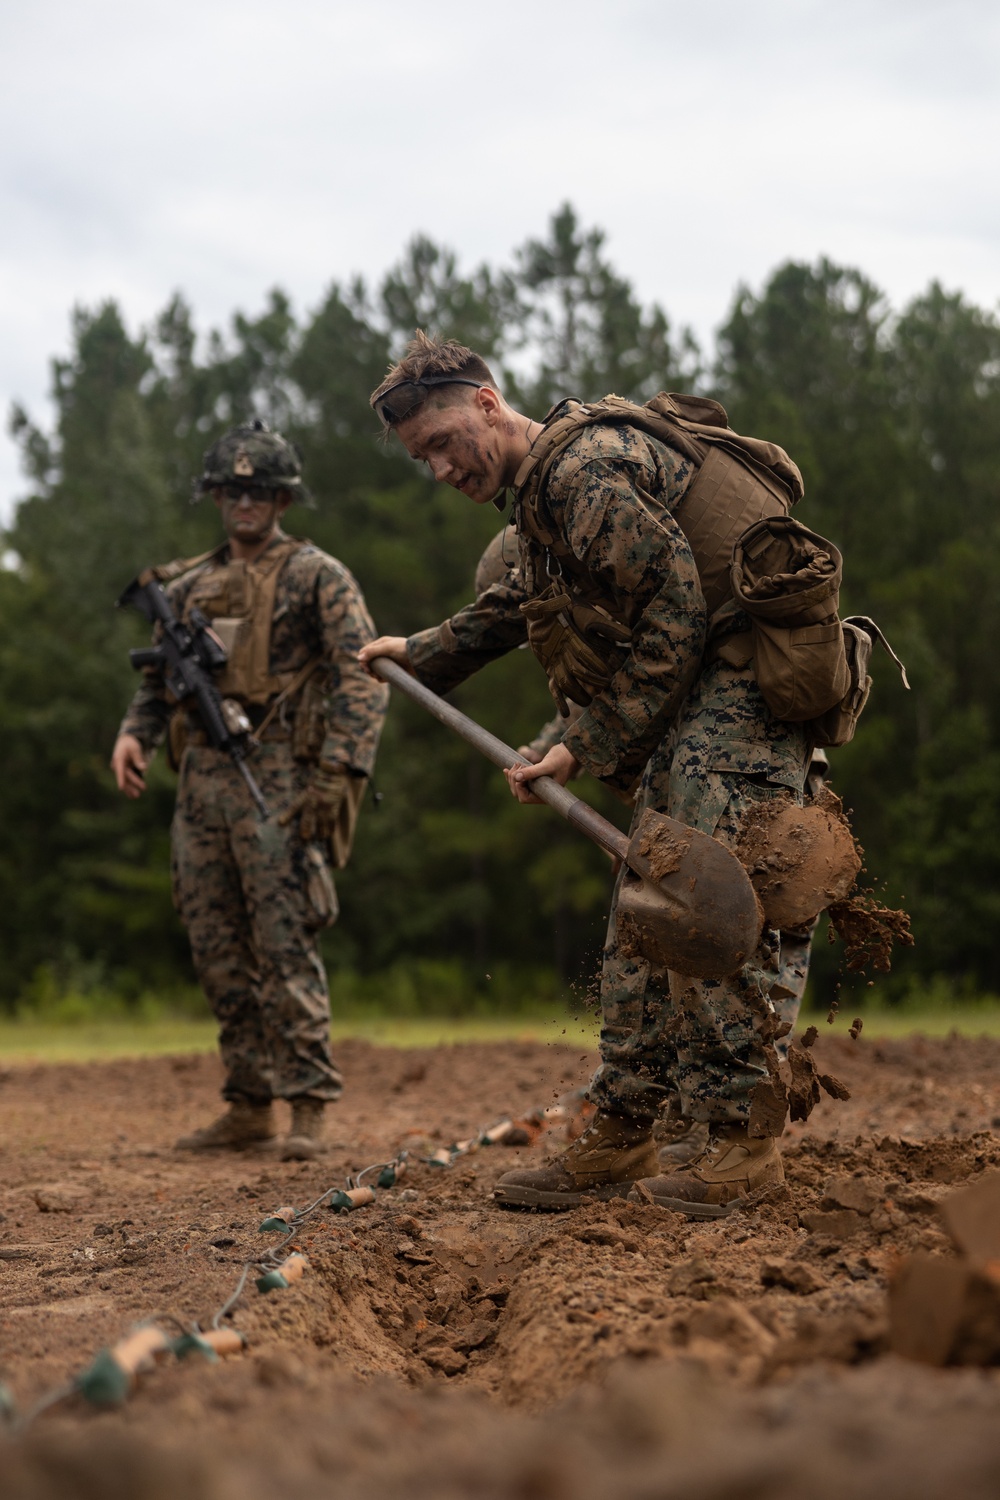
(261, 493)
(395, 404)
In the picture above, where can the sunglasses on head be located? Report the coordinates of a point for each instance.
(397, 403)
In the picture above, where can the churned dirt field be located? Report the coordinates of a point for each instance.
(440, 1347)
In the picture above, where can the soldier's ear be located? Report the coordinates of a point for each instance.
(489, 402)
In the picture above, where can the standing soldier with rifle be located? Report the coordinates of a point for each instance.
(254, 682)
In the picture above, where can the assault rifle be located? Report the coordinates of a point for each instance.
(188, 656)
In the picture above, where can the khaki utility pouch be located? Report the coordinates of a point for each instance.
(811, 666)
(787, 579)
(579, 645)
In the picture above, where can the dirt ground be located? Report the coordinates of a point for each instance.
(440, 1347)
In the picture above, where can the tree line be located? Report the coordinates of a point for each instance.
(893, 416)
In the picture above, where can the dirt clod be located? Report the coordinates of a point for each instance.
(868, 931)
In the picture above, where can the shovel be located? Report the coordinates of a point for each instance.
(684, 902)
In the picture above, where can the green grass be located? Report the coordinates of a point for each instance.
(27, 1040)
(975, 1019)
(24, 1041)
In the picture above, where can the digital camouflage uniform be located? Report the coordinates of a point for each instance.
(252, 895)
(696, 730)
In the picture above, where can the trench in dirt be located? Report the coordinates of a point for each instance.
(441, 1346)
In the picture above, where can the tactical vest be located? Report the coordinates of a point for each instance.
(739, 480)
(238, 598)
(578, 631)
(811, 667)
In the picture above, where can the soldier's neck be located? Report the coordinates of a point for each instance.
(250, 551)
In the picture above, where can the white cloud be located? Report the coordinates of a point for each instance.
(224, 148)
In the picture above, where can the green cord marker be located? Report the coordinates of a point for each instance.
(113, 1373)
(289, 1272)
(280, 1221)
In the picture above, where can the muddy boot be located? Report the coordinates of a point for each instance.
(681, 1141)
(732, 1165)
(244, 1124)
(603, 1162)
(304, 1140)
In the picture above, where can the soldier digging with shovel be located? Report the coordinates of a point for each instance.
(625, 536)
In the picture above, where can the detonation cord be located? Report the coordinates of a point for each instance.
(113, 1374)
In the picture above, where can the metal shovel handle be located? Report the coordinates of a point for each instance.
(565, 802)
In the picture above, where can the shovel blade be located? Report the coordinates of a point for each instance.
(686, 902)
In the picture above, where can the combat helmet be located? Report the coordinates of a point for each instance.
(255, 457)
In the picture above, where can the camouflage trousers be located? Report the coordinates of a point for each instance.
(253, 898)
(669, 1040)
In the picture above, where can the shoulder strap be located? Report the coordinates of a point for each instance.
(738, 479)
(690, 424)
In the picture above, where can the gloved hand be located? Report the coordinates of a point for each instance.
(319, 804)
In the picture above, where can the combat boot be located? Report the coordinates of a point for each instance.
(304, 1140)
(732, 1165)
(610, 1155)
(680, 1141)
(244, 1124)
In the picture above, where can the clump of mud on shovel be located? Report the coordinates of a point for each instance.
(800, 859)
(805, 860)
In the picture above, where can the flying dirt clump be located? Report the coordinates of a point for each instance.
(868, 930)
(792, 1090)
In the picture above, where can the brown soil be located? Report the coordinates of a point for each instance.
(439, 1347)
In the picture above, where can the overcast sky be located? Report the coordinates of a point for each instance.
(222, 148)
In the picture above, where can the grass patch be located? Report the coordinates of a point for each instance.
(422, 1005)
(26, 1041)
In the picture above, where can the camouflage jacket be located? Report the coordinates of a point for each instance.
(319, 610)
(609, 499)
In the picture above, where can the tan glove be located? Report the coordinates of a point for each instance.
(319, 804)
